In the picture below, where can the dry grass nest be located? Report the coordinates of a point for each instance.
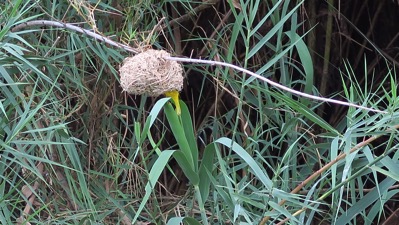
(150, 73)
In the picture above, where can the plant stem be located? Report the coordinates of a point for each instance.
(201, 205)
(325, 76)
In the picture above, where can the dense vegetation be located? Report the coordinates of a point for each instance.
(76, 149)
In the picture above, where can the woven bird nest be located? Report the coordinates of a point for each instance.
(150, 73)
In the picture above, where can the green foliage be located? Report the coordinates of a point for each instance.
(75, 150)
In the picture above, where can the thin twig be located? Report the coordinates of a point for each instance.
(77, 29)
(272, 83)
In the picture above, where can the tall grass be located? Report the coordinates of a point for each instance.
(74, 149)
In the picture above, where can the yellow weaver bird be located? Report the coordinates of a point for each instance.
(175, 97)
